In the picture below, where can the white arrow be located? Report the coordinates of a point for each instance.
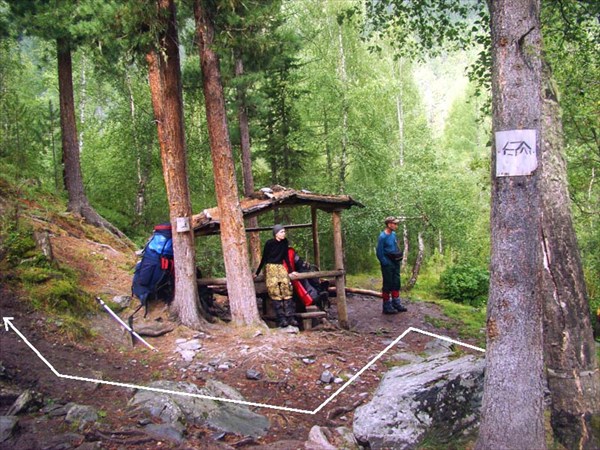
(8, 323)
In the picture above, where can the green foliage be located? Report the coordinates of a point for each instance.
(463, 283)
(468, 321)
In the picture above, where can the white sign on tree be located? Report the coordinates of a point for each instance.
(516, 153)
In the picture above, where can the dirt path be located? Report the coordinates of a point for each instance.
(290, 364)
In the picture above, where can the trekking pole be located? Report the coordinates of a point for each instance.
(124, 325)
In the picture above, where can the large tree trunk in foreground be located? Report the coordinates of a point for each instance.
(512, 410)
(570, 350)
(167, 102)
(254, 237)
(73, 179)
(240, 285)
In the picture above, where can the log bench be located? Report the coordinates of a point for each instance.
(312, 313)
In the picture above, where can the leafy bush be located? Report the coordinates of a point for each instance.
(464, 283)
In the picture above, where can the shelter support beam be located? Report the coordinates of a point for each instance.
(340, 281)
(315, 236)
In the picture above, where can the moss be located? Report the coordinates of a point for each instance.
(61, 295)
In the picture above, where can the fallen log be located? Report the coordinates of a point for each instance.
(357, 291)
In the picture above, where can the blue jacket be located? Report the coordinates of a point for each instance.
(386, 244)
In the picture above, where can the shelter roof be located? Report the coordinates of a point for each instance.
(268, 199)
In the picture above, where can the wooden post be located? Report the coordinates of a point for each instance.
(340, 283)
(315, 237)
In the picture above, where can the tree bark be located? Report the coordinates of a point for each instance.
(344, 142)
(240, 285)
(72, 176)
(512, 409)
(165, 87)
(405, 246)
(78, 202)
(417, 266)
(570, 350)
(254, 237)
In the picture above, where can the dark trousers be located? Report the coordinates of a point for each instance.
(391, 277)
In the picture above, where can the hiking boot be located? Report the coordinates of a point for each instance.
(289, 306)
(278, 307)
(398, 306)
(388, 308)
(323, 301)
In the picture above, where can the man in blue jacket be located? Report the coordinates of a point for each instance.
(390, 257)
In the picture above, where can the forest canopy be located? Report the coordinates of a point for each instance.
(333, 107)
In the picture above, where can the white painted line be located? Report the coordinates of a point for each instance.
(8, 324)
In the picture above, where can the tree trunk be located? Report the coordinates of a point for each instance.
(141, 168)
(254, 237)
(240, 286)
(165, 87)
(417, 267)
(405, 247)
(570, 350)
(512, 410)
(344, 143)
(72, 167)
(78, 202)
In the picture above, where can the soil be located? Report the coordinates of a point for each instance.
(290, 364)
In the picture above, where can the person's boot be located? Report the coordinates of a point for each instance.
(398, 306)
(388, 308)
(289, 306)
(278, 307)
(322, 301)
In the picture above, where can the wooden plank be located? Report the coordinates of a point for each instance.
(287, 227)
(261, 278)
(312, 315)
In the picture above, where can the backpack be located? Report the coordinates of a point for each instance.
(154, 275)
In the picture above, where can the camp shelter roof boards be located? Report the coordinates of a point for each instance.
(269, 199)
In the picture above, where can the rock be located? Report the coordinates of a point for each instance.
(81, 415)
(407, 357)
(188, 348)
(327, 377)
(290, 330)
(221, 416)
(317, 440)
(324, 438)
(437, 396)
(439, 347)
(172, 432)
(8, 425)
(122, 301)
(252, 374)
(28, 401)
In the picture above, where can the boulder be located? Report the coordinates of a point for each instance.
(437, 396)
(7, 426)
(220, 416)
(28, 401)
(81, 415)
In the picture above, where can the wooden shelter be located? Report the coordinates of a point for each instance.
(275, 197)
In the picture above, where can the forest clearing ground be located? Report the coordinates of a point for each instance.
(290, 364)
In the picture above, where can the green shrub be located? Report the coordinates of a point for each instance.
(464, 283)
